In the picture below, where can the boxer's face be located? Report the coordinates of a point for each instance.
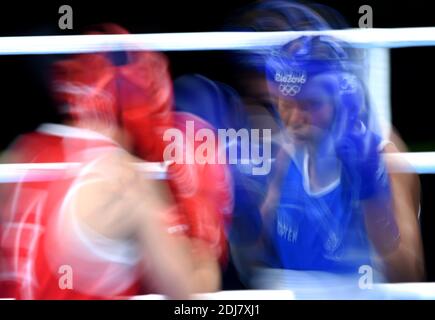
(308, 115)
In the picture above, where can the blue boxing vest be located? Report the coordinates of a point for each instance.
(322, 231)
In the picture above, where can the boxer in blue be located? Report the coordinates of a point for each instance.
(332, 207)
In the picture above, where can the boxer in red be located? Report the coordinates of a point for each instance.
(104, 230)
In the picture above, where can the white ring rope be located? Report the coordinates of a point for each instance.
(388, 291)
(15, 172)
(367, 38)
(418, 162)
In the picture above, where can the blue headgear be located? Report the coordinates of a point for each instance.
(297, 16)
(290, 68)
(265, 16)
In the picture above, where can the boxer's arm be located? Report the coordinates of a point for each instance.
(412, 179)
(187, 261)
(124, 204)
(115, 202)
(406, 262)
(401, 252)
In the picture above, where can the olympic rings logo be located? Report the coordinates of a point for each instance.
(289, 89)
(348, 83)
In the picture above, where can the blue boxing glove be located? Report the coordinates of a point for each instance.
(362, 163)
(367, 177)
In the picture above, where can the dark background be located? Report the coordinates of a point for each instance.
(25, 101)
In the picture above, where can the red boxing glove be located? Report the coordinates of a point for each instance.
(202, 191)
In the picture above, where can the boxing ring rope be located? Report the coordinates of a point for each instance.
(421, 162)
(366, 38)
(418, 162)
(390, 291)
(15, 172)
